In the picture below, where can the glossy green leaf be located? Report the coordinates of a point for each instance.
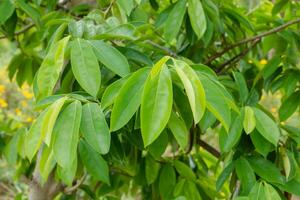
(94, 128)
(110, 57)
(152, 169)
(193, 88)
(158, 147)
(271, 67)
(266, 170)
(50, 119)
(167, 180)
(51, 67)
(224, 176)
(292, 186)
(128, 100)
(6, 10)
(85, 66)
(179, 130)
(270, 192)
(261, 145)
(112, 92)
(245, 174)
(197, 17)
(191, 191)
(289, 106)
(184, 170)
(266, 126)
(33, 139)
(241, 85)
(174, 20)
(93, 162)
(66, 134)
(249, 122)
(46, 163)
(157, 99)
(29, 10)
(126, 5)
(257, 192)
(67, 175)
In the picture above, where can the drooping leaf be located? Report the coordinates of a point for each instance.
(167, 181)
(152, 169)
(66, 134)
(184, 170)
(266, 170)
(50, 69)
(128, 100)
(193, 88)
(249, 122)
(157, 99)
(93, 162)
(242, 86)
(94, 128)
(245, 174)
(197, 17)
(85, 66)
(174, 20)
(179, 130)
(110, 57)
(46, 163)
(50, 119)
(67, 175)
(270, 192)
(6, 10)
(266, 126)
(289, 106)
(261, 145)
(224, 175)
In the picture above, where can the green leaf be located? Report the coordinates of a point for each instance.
(67, 175)
(94, 128)
(126, 5)
(157, 99)
(249, 122)
(7, 8)
(197, 17)
(245, 174)
(174, 20)
(242, 86)
(292, 186)
(270, 192)
(230, 139)
(66, 134)
(11, 150)
(261, 145)
(184, 170)
(112, 92)
(217, 101)
(33, 139)
(111, 57)
(266, 170)
(85, 66)
(93, 162)
(29, 10)
(179, 130)
(266, 126)
(278, 6)
(224, 176)
(191, 191)
(289, 106)
(158, 147)
(51, 68)
(271, 67)
(167, 181)
(46, 163)
(193, 88)
(50, 119)
(152, 169)
(257, 192)
(128, 100)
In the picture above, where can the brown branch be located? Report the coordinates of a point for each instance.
(208, 148)
(26, 28)
(254, 38)
(69, 190)
(236, 58)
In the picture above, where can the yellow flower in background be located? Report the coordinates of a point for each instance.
(3, 103)
(24, 104)
(27, 95)
(273, 110)
(18, 112)
(29, 119)
(250, 61)
(263, 61)
(2, 89)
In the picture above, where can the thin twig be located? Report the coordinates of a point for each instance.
(236, 58)
(26, 28)
(208, 148)
(244, 41)
(69, 190)
(165, 49)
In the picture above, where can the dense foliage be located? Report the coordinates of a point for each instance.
(128, 93)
